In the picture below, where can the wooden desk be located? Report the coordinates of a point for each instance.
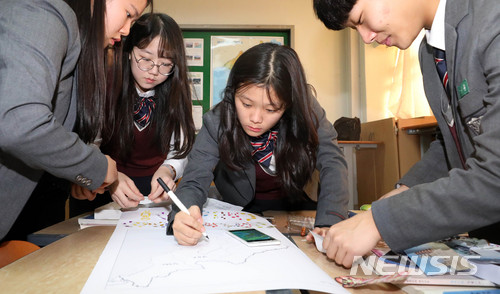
(61, 267)
(65, 265)
(55, 232)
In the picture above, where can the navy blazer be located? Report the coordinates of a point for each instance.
(455, 200)
(238, 187)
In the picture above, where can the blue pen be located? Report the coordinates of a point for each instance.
(176, 200)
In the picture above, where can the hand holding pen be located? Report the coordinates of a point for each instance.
(188, 227)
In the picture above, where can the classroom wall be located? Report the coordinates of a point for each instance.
(323, 52)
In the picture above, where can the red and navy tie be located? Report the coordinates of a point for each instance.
(143, 110)
(440, 60)
(263, 147)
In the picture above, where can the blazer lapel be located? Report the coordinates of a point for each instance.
(455, 25)
(455, 13)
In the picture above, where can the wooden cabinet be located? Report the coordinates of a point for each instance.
(403, 143)
(351, 150)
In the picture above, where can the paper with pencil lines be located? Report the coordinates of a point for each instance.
(146, 260)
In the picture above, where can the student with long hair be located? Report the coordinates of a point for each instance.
(154, 129)
(261, 144)
(52, 63)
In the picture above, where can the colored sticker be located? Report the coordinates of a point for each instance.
(463, 89)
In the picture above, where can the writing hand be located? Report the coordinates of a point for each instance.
(188, 228)
(351, 238)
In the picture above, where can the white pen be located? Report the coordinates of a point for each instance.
(176, 200)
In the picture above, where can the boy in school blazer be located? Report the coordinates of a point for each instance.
(445, 196)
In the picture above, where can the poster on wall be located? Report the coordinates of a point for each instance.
(196, 79)
(224, 52)
(198, 116)
(194, 51)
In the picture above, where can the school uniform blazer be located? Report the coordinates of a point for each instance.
(39, 49)
(238, 187)
(455, 200)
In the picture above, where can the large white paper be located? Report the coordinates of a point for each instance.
(146, 260)
(215, 204)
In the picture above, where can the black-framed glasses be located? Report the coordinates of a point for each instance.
(145, 64)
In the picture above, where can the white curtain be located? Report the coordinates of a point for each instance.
(406, 98)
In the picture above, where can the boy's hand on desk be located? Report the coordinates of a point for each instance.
(320, 231)
(395, 191)
(352, 237)
(188, 228)
(124, 192)
(157, 193)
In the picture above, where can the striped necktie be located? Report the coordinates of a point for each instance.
(263, 147)
(440, 60)
(143, 110)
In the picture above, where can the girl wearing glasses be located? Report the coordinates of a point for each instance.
(154, 124)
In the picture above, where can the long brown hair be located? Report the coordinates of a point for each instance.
(278, 68)
(173, 113)
(96, 97)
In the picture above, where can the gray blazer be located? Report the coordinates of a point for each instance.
(39, 49)
(455, 200)
(238, 187)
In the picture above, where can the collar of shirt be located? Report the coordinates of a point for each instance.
(435, 36)
(145, 94)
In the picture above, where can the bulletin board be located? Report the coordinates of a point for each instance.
(211, 52)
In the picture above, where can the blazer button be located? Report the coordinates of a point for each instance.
(79, 178)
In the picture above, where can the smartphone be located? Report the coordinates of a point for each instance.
(253, 237)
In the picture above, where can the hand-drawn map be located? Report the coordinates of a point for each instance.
(143, 259)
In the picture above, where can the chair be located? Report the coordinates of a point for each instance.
(11, 251)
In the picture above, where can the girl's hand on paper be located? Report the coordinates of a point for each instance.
(188, 228)
(351, 238)
(124, 192)
(157, 194)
